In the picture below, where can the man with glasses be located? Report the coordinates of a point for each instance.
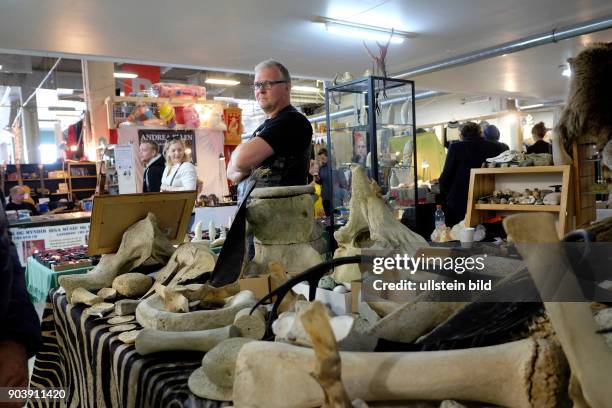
(283, 142)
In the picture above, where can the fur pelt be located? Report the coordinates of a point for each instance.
(587, 115)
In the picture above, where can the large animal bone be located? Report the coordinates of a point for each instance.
(413, 320)
(126, 307)
(150, 314)
(174, 301)
(189, 261)
(525, 373)
(589, 358)
(153, 341)
(141, 242)
(80, 295)
(371, 222)
(250, 325)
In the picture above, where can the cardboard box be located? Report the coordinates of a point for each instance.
(259, 286)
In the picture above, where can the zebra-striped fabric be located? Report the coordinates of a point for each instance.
(98, 370)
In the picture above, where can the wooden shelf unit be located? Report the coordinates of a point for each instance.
(484, 181)
(80, 184)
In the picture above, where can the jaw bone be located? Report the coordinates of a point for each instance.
(589, 358)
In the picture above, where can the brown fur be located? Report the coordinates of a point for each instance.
(588, 112)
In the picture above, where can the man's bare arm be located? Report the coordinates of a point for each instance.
(246, 157)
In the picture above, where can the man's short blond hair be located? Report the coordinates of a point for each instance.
(270, 63)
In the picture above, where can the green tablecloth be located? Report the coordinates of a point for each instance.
(39, 279)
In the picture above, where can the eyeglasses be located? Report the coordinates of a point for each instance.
(266, 84)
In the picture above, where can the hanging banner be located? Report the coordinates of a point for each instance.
(28, 240)
(162, 136)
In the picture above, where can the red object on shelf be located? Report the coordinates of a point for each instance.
(178, 115)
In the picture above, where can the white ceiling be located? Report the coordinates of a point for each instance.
(234, 35)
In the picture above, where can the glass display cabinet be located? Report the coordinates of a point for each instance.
(371, 121)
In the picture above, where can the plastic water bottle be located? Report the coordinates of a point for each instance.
(439, 217)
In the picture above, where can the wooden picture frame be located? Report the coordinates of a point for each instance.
(113, 214)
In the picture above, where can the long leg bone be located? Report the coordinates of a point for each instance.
(153, 341)
(525, 373)
(589, 357)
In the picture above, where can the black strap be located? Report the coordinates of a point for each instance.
(177, 170)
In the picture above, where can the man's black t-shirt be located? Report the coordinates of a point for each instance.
(289, 134)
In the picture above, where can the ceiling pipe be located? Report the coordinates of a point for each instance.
(35, 90)
(510, 47)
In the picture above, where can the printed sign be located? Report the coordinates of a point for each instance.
(233, 120)
(28, 240)
(162, 136)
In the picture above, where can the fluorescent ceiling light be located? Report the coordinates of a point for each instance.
(535, 105)
(61, 108)
(364, 31)
(307, 89)
(219, 81)
(125, 75)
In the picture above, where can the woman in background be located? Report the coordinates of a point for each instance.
(180, 174)
(540, 146)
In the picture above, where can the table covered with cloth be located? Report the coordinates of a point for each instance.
(97, 370)
(40, 279)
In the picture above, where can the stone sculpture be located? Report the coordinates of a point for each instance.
(285, 237)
